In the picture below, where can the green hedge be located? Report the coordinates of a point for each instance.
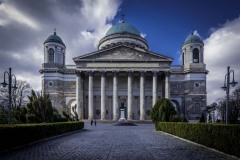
(225, 138)
(18, 134)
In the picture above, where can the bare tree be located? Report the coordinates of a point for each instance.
(20, 95)
(221, 109)
(19, 99)
(234, 107)
(211, 112)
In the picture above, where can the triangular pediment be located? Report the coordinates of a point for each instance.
(122, 53)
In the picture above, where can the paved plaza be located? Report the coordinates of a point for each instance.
(109, 142)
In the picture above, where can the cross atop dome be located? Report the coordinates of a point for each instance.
(55, 31)
(122, 20)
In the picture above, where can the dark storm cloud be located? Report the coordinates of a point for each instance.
(26, 24)
(14, 37)
(45, 10)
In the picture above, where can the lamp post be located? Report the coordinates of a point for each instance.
(226, 87)
(10, 87)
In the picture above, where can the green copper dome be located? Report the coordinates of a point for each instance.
(54, 38)
(122, 28)
(192, 39)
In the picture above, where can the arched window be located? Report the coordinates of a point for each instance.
(195, 55)
(51, 55)
(197, 108)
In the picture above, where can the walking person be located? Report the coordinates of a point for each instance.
(91, 122)
(95, 122)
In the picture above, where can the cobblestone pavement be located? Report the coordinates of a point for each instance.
(109, 142)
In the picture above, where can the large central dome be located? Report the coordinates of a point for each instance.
(123, 28)
(123, 33)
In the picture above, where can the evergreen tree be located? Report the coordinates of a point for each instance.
(39, 109)
(162, 111)
(202, 119)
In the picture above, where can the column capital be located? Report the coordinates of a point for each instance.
(103, 73)
(142, 73)
(91, 73)
(155, 73)
(115, 73)
(130, 73)
(167, 73)
(79, 73)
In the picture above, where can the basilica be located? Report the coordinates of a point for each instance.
(123, 72)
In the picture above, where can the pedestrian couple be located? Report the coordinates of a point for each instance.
(95, 122)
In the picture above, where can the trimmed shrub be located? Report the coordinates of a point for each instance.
(222, 137)
(18, 134)
(178, 119)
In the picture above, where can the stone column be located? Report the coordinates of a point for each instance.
(154, 88)
(130, 95)
(115, 96)
(90, 96)
(142, 96)
(103, 95)
(79, 95)
(167, 89)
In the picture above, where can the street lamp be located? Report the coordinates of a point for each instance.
(10, 87)
(226, 87)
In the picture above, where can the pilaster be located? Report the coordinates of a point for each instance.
(142, 96)
(90, 95)
(130, 94)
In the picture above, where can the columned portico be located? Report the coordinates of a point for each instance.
(123, 69)
(142, 96)
(115, 96)
(90, 95)
(103, 95)
(130, 95)
(154, 88)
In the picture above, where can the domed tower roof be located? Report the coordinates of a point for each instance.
(192, 39)
(123, 33)
(122, 28)
(54, 38)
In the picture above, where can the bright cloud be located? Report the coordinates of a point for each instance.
(143, 35)
(222, 50)
(80, 24)
(11, 14)
(196, 33)
(96, 22)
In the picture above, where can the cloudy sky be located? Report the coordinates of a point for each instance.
(26, 24)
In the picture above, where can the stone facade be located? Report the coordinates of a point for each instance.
(125, 73)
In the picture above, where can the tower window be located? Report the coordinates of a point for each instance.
(51, 55)
(195, 55)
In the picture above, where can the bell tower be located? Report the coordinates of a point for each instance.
(53, 69)
(194, 69)
(192, 53)
(54, 51)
